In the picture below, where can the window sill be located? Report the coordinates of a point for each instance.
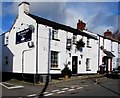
(55, 69)
(56, 39)
(88, 70)
(89, 46)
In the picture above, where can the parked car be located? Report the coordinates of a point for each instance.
(116, 72)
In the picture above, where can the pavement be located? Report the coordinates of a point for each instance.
(75, 78)
(62, 79)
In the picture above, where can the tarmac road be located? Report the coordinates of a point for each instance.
(75, 87)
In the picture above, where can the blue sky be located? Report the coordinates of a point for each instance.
(99, 16)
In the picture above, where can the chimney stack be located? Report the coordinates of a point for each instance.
(24, 8)
(108, 34)
(81, 25)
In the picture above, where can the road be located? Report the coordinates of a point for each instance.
(78, 87)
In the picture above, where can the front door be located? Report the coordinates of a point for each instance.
(74, 64)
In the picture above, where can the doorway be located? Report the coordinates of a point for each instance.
(74, 64)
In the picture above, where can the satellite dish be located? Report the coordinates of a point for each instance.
(32, 28)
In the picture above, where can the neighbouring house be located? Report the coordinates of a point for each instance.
(36, 46)
(108, 51)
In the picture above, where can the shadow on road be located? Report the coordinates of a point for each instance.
(45, 87)
(104, 86)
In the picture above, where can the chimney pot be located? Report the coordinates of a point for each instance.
(81, 25)
(108, 33)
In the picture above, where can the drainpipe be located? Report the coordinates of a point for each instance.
(37, 50)
(49, 51)
(36, 55)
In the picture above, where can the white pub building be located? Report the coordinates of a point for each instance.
(36, 46)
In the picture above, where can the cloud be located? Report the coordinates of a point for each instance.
(98, 16)
(50, 10)
(98, 23)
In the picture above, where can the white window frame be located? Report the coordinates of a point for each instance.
(55, 34)
(69, 43)
(74, 39)
(54, 59)
(6, 40)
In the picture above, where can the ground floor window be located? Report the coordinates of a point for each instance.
(88, 64)
(54, 59)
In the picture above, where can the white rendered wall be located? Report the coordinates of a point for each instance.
(115, 52)
(91, 53)
(58, 46)
(17, 49)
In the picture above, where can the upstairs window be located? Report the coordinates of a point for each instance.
(88, 43)
(74, 39)
(55, 34)
(54, 59)
(6, 40)
(68, 44)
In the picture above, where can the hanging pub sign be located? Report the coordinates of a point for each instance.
(23, 36)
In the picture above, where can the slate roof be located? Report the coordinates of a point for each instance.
(56, 25)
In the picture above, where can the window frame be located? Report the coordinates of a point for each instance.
(54, 60)
(6, 40)
(88, 68)
(88, 43)
(74, 39)
(68, 43)
(55, 35)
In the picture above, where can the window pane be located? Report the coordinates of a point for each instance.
(54, 59)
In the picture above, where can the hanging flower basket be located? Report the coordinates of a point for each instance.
(80, 44)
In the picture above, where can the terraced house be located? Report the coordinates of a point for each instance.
(36, 46)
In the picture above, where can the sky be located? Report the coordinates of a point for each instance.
(98, 16)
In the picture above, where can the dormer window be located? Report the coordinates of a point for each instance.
(55, 35)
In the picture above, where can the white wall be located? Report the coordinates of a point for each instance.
(115, 52)
(101, 55)
(107, 44)
(91, 53)
(16, 50)
(58, 46)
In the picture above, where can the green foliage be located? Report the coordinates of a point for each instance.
(66, 71)
(80, 44)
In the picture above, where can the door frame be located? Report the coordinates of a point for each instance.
(75, 68)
